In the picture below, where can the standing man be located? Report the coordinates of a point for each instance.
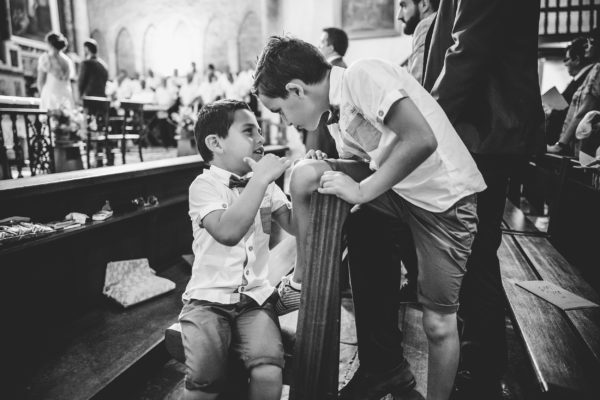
(93, 74)
(484, 75)
(333, 45)
(417, 16)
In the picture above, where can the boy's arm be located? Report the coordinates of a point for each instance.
(414, 143)
(283, 217)
(229, 226)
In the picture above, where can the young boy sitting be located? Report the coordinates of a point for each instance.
(229, 303)
(407, 162)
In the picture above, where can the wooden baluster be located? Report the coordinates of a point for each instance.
(4, 166)
(316, 354)
(19, 157)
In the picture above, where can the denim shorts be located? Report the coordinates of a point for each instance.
(213, 333)
(442, 240)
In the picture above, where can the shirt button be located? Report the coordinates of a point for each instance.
(241, 289)
(380, 113)
(224, 205)
(247, 272)
(250, 248)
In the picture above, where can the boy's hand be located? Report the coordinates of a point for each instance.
(315, 155)
(342, 186)
(269, 168)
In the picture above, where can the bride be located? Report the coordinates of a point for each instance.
(55, 71)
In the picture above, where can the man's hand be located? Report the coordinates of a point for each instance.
(342, 186)
(315, 155)
(268, 168)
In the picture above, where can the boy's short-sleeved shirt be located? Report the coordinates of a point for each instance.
(221, 273)
(365, 92)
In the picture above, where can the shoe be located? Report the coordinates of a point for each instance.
(373, 386)
(408, 292)
(289, 297)
(469, 386)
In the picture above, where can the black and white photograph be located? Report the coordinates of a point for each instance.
(300, 199)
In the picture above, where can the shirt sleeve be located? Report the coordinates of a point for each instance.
(279, 199)
(204, 198)
(375, 86)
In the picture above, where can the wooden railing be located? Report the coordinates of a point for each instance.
(316, 358)
(37, 148)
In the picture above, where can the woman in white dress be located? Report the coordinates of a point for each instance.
(55, 71)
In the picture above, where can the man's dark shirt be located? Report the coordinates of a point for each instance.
(92, 78)
(486, 80)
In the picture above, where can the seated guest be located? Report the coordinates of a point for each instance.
(578, 67)
(229, 303)
(585, 99)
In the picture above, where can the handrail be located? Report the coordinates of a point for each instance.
(318, 334)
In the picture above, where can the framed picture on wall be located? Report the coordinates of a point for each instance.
(31, 20)
(370, 18)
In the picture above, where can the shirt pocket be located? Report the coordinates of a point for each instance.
(265, 219)
(364, 132)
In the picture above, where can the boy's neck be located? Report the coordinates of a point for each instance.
(217, 162)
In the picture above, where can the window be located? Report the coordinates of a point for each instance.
(563, 20)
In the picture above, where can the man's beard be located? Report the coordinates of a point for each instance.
(411, 24)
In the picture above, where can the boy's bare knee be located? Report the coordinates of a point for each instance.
(306, 176)
(439, 326)
(266, 373)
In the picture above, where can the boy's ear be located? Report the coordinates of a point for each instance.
(295, 86)
(213, 143)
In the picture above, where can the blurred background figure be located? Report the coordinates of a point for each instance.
(55, 71)
(93, 72)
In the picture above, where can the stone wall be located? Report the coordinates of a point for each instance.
(170, 34)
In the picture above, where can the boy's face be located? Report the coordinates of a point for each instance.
(299, 109)
(243, 140)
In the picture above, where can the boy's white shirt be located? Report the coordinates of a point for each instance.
(365, 92)
(220, 272)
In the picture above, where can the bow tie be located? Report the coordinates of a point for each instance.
(234, 182)
(334, 115)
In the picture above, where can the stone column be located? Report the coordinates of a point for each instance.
(81, 22)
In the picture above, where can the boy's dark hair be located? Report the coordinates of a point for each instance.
(338, 39)
(215, 119)
(284, 59)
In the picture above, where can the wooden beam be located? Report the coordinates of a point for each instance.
(317, 340)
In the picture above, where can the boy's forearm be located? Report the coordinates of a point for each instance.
(404, 158)
(239, 217)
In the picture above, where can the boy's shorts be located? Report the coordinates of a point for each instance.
(212, 333)
(442, 240)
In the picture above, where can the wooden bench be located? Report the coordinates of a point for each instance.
(99, 347)
(563, 347)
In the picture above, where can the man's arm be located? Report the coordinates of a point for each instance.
(476, 29)
(589, 103)
(415, 142)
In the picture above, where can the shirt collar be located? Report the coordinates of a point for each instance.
(582, 71)
(333, 56)
(223, 175)
(335, 85)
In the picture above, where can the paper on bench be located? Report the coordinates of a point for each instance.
(556, 295)
(553, 99)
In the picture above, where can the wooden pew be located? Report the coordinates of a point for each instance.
(66, 340)
(562, 346)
